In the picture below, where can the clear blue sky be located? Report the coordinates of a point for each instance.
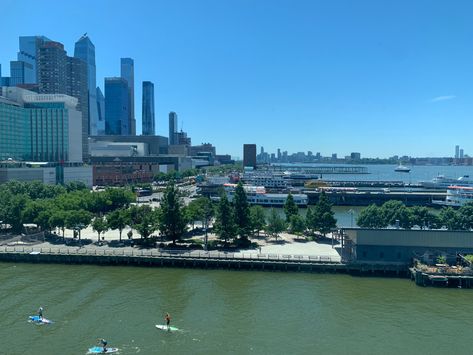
(377, 77)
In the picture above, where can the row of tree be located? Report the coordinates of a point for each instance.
(395, 213)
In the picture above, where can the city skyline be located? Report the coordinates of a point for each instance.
(380, 80)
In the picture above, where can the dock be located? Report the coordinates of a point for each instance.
(441, 279)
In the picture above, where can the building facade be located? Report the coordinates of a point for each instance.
(172, 128)
(117, 109)
(127, 67)
(147, 116)
(52, 65)
(101, 112)
(249, 155)
(29, 53)
(84, 49)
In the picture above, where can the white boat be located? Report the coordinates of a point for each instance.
(256, 195)
(457, 196)
(402, 169)
(442, 182)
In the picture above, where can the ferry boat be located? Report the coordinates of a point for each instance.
(267, 179)
(256, 195)
(402, 169)
(457, 196)
(442, 182)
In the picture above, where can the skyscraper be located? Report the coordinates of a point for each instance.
(52, 62)
(128, 73)
(117, 107)
(84, 49)
(148, 123)
(457, 151)
(172, 128)
(18, 72)
(101, 112)
(29, 53)
(249, 155)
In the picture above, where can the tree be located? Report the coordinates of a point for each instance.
(58, 220)
(13, 206)
(146, 222)
(324, 216)
(451, 219)
(390, 211)
(275, 224)
(466, 216)
(420, 216)
(290, 208)
(99, 224)
(310, 222)
(119, 219)
(297, 225)
(78, 220)
(257, 219)
(371, 217)
(171, 218)
(242, 212)
(224, 225)
(194, 211)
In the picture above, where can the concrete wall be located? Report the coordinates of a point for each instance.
(81, 173)
(45, 175)
(75, 136)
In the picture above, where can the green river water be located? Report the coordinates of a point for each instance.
(227, 312)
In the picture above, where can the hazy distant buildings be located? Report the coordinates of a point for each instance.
(457, 151)
(84, 49)
(249, 155)
(127, 68)
(147, 116)
(117, 107)
(461, 153)
(172, 128)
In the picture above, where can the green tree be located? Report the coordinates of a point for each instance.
(99, 225)
(58, 220)
(451, 219)
(224, 225)
(172, 222)
(310, 222)
(195, 211)
(275, 224)
(119, 219)
(324, 215)
(297, 225)
(290, 208)
(13, 206)
(146, 221)
(257, 219)
(78, 220)
(371, 217)
(466, 216)
(242, 212)
(390, 211)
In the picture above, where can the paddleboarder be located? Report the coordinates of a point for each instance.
(40, 313)
(103, 342)
(167, 318)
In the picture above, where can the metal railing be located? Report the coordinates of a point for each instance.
(195, 254)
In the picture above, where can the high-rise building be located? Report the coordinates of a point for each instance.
(18, 72)
(128, 73)
(147, 113)
(117, 107)
(52, 63)
(172, 128)
(29, 53)
(457, 151)
(76, 86)
(36, 127)
(84, 49)
(461, 153)
(249, 155)
(101, 112)
(279, 154)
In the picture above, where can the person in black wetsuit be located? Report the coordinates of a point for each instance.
(167, 318)
(40, 313)
(103, 342)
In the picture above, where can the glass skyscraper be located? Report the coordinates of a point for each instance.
(172, 128)
(148, 123)
(101, 112)
(127, 67)
(117, 107)
(84, 49)
(29, 52)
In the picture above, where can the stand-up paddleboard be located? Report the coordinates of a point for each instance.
(99, 350)
(38, 320)
(165, 327)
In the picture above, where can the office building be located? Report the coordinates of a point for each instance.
(42, 128)
(28, 54)
(249, 155)
(84, 49)
(117, 107)
(52, 63)
(128, 73)
(18, 72)
(172, 128)
(101, 112)
(461, 153)
(457, 151)
(147, 116)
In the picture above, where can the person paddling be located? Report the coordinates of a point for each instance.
(103, 342)
(40, 313)
(167, 318)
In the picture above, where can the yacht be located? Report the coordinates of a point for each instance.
(442, 182)
(457, 196)
(402, 169)
(256, 195)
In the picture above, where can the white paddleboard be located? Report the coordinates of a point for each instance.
(38, 320)
(165, 327)
(99, 350)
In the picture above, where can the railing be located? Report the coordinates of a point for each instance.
(196, 254)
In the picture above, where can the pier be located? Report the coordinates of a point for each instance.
(440, 278)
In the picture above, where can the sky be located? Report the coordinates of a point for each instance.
(332, 76)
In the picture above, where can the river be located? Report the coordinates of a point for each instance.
(227, 312)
